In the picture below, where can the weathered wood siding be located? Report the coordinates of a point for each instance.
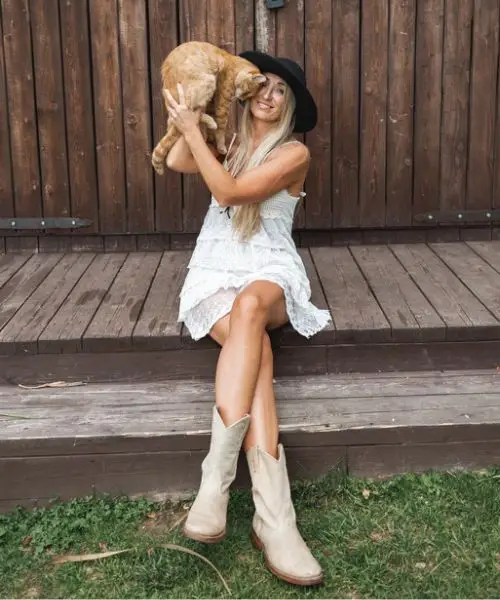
(407, 90)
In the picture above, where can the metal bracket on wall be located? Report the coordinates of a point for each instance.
(459, 216)
(14, 223)
(275, 3)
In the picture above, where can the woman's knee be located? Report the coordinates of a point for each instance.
(249, 308)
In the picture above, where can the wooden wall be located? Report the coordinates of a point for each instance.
(407, 90)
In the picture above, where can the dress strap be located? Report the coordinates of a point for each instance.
(231, 144)
(229, 150)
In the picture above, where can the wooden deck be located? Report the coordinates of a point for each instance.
(404, 379)
(394, 308)
(149, 439)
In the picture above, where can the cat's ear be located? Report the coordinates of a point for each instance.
(259, 78)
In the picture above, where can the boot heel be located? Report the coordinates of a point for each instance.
(256, 543)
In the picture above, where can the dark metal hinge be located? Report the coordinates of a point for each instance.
(458, 217)
(14, 223)
(275, 3)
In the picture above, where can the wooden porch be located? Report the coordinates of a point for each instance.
(405, 378)
(394, 308)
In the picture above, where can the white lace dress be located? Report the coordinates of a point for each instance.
(221, 266)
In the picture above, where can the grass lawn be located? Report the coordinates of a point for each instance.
(428, 536)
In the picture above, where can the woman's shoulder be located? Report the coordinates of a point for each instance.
(293, 147)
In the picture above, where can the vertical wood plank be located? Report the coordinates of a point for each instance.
(6, 189)
(221, 33)
(372, 185)
(496, 169)
(483, 104)
(194, 17)
(265, 28)
(455, 104)
(345, 112)
(319, 69)
(244, 25)
(21, 100)
(79, 112)
(291, 18)
(163, 38)
(220, 24)
(136, 111)
(50, 107)
(429, 48)
(400, 115)
(108, 115)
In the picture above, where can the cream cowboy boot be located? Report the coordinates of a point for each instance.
(274, 529)
(206, 521)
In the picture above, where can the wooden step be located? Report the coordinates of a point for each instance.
(149, 439)
(395, 301)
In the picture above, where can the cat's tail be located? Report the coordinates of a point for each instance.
(162, 149)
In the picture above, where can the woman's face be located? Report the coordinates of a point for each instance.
(268, 103)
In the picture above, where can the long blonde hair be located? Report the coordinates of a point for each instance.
(246, 218)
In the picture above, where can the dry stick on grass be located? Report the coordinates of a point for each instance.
(59, 560)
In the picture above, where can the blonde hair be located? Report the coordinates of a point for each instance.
(246, 218)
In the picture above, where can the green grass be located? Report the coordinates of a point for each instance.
(428, 536)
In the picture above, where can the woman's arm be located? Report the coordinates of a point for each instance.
(280, 172)
(180, 158)
(287, 166)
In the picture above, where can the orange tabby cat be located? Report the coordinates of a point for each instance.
(211, 77)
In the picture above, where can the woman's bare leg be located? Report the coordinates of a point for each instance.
(232, 406)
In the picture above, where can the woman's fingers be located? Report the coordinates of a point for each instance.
(182, 97)
(170, 99)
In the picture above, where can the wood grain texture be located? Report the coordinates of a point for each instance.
(9, 265)
(163, 20)
(6, 183)
(244, 17)
(265, 28)
(401, 59)
(318, 207)
(194, 23)
(356, 314)
(157, 327)
(20, 287)
(383, 461)
(369, 358)
(150, 438)
(408, 311)
(483, 104)
(373, 118)
(428, 97)
(65, 331)
(51, 123)
(474, 272)
(455, 103)
(134, 69)
(79, 110)
(20, 334)
(489, 251)
(22, 110)
(462, 312)
(345, 112)
(108, 116)
(114, 321)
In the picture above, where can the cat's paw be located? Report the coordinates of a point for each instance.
(208, 120)
(221, 148)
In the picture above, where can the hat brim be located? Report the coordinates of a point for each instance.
(306, 113)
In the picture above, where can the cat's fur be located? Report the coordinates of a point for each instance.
(211, 78)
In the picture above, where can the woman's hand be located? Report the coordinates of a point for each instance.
(184, 119)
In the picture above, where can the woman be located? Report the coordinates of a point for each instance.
(245, 277)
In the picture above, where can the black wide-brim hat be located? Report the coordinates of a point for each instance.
(306, 113)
